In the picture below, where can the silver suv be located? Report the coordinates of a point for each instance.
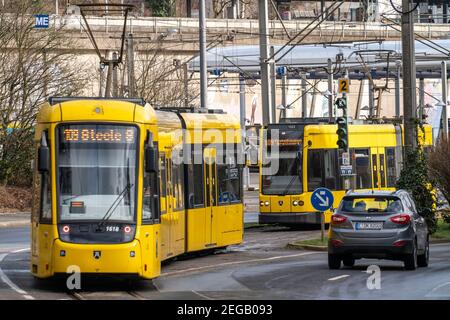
(378, 224)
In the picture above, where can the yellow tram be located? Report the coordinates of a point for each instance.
(115, 192)
(298, 157)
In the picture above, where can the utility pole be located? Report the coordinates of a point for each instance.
(421, 98)
(109, 77)
(246, 175)
(186, 84)
(130, 67)
(283, 94)
(203, 68)
(330, 91)
(409, 80)
(264, 55)
(115, 82)
(397, 89)
(371, 99)
(444, 100)
(304, 96)
(273, 87)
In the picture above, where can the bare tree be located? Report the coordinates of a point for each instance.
(439, 168)
(34, 64)
(159, 77)
(220, 5)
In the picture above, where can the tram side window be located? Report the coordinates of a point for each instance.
(362, 169)
(391, 167)
(322, 169)
(150, 199)
(229, 179)
(178, 186)
(45, 211)
(314, 169)
(330, 169)
(46, 198)
(162, 174)
(195, 182)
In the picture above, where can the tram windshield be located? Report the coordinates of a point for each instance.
(96, 165)
(282, 166)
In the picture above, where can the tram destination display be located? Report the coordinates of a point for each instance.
(98, 133)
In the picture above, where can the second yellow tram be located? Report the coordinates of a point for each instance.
(298, 157)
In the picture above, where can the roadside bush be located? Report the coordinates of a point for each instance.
(418, 183)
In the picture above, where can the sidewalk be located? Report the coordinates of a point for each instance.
(10, 220)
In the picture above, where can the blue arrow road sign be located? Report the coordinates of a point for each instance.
(322, 199)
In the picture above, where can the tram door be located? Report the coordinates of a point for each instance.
(209, 162)
(378, 168)
(166, 206)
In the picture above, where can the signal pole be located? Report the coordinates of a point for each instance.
(409, 80)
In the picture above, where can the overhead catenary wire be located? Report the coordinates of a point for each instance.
(319, 22)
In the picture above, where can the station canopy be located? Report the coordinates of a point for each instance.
(379, 58)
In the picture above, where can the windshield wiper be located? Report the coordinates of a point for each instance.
(64, 201)
(285, 191)
(115, 204)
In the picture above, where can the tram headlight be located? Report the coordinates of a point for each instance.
(128, 233)
(64, 232)
(261, 203)
(267, 203)
(295, 203)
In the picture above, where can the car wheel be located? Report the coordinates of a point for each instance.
(334, 261)
(423, 259)
(411, 259)
(349, 262)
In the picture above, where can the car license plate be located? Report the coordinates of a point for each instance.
(369, 225)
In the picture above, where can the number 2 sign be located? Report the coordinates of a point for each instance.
(344, 86)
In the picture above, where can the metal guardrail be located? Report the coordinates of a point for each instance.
(339, 29)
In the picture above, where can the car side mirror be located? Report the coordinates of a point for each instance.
(43, 155)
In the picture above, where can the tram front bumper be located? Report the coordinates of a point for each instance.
(122, 258)
(290, 218)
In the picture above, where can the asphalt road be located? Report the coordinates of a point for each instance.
(260, 268)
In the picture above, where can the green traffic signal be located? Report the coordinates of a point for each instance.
(342, 133)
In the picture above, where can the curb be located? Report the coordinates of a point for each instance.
(439, 240)
(12, 224)
(306, 247)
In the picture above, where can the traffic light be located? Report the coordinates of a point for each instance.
(342, 131)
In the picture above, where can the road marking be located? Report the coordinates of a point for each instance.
(20, 250)
(237, 262)
(11, 284)
(201, 295)
(136, 295)
(339, 277)
(430, 293)
(77, 296)
(16, 271)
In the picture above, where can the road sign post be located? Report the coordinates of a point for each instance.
(322, 200)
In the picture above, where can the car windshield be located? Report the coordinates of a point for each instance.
(282, 170)
(96, 172)
(371, 205)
